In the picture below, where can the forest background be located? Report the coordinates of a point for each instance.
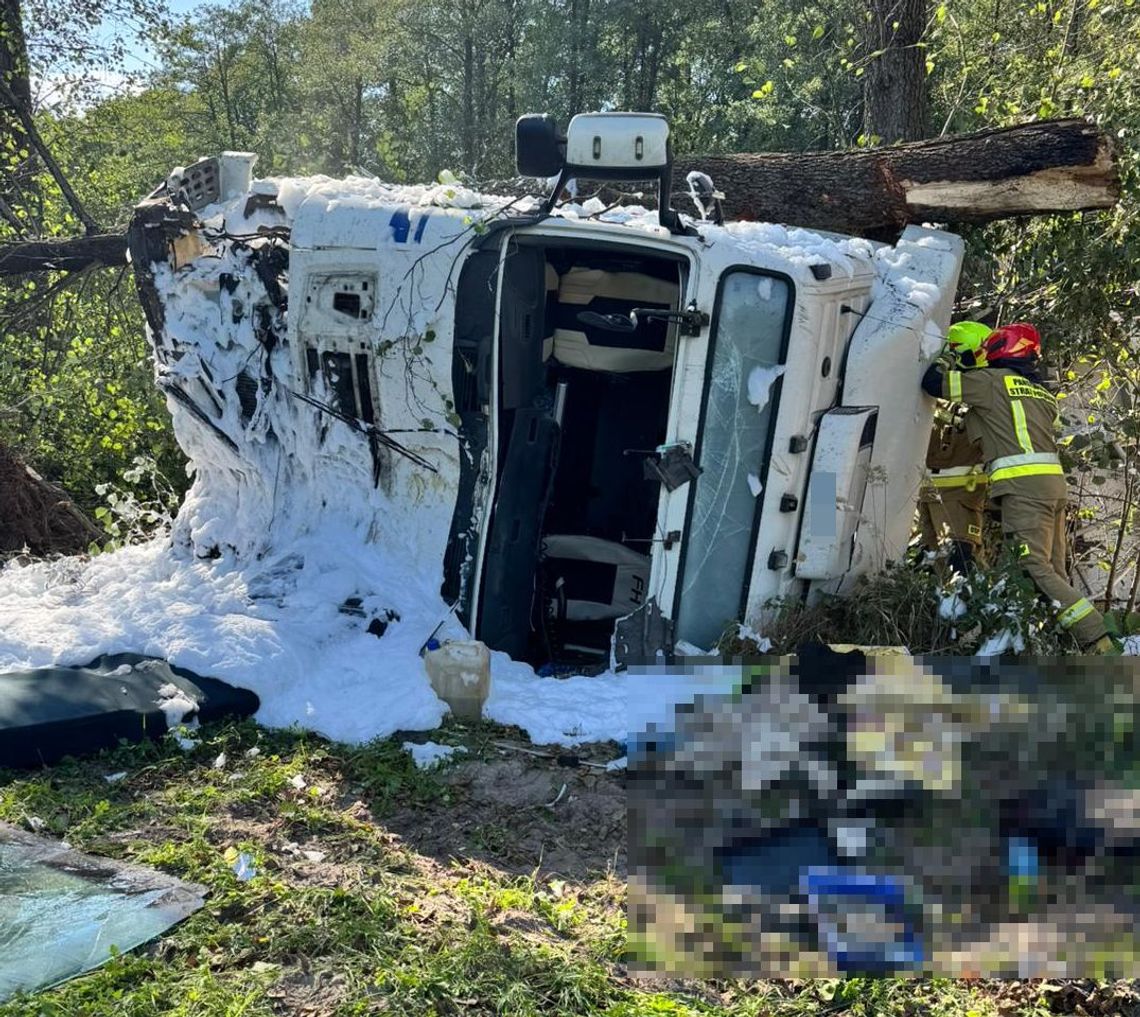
(121, 91)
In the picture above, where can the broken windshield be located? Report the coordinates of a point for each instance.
(747, 348)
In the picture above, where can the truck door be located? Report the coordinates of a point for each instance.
(730, 425)
(525, 443)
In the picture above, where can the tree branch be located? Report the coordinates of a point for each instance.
(69, 254)
(29, 124)
(1033, 169)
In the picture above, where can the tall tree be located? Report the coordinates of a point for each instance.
(895, 93)
(15, 99)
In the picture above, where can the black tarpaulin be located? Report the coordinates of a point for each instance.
(48, 713)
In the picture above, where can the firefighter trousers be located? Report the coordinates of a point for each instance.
(1036, 528)
(953, 513)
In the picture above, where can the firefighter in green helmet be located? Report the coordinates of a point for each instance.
(952, 499)
(1014, 417)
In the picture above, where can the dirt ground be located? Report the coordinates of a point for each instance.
(523, 813)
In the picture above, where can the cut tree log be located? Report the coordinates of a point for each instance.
(1032, 169)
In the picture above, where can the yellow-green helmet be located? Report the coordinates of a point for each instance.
(968, 336)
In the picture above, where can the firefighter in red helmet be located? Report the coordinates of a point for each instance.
(1014, 417)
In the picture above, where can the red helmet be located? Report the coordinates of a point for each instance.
(1018, 341)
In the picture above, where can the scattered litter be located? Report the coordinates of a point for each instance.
(617, 764)
(562, 759)
(951, 607)
(1000, 643)
(220, 762)
(431, 754)
(315, 856)
(252, 753)
(747, 633)
(557, 798)
(298, 782)
(185, 735)
(35, 824)
(684, 649)
(114, 778)
(244, 868)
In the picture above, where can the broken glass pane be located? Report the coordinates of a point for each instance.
(63, 913)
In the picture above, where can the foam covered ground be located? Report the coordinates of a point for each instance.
(277, 630)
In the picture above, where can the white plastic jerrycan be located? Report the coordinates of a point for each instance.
(460, 674)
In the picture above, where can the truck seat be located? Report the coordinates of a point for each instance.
(650, 348)
(595, 579)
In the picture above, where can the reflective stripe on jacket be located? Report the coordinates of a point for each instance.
(968, 477)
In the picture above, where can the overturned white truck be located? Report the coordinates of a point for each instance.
(576, 416)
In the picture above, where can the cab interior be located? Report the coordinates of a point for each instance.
(582, 403)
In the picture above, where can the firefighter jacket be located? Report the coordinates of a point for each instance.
(1015, 421)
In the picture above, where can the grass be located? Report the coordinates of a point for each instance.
(412, 899)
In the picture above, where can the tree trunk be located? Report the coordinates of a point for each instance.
(109, 249)
(894, 93)
(13, 137)
(1033, 169)
(468, 127)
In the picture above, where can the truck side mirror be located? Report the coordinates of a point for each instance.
(539, 149)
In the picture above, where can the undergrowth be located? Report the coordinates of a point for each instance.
(920, 605)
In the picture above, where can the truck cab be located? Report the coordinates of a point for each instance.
(581, 419)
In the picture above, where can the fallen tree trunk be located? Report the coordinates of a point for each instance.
(1033, 169)
(64, 254)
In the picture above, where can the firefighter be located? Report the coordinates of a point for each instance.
(1014, 417)
(953, 496)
